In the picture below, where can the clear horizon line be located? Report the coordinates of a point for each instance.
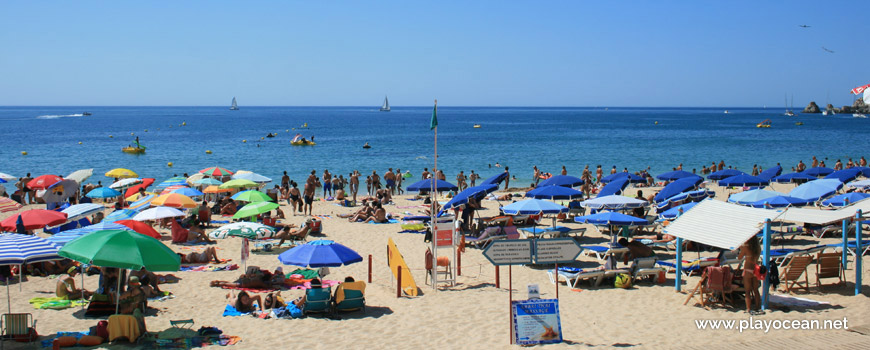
(394, 106)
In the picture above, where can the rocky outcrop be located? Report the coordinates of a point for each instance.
(812, 108)
(829, 107)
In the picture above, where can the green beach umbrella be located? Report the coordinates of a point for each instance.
(238, 183)
(254, 209)
(249, 230)
(252, 196)
(216, 171)
(122, 249)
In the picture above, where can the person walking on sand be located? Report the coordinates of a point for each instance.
(399, 179)
(507, 178)
(749, 252)
(390, 179)
(308, 197)
(354, 184)
(295, 199)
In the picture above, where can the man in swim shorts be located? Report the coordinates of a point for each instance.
(390, 178)
(308, 198)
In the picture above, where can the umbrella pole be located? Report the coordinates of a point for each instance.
(8, 298)
(82, 287)
(118, 293)
(20, 276)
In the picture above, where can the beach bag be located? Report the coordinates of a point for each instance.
(623, 280)
(102, 329)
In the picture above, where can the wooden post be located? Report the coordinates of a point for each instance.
(497, 279)
(458, 262)
(370, 268)
(399, 283)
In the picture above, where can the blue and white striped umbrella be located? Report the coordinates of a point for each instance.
(65, 237)
(173, 181)
(187, 191)
(122, 214)
(77, 211)
(18, 249)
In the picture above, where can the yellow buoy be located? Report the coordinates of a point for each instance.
(244, 141)
(183, 123)
(80, 142)
(657, 122)
(169, 164)
(262, 138)
(131, 134)
(23, 153)
(208, 151)
(146, 130)
(110, 136)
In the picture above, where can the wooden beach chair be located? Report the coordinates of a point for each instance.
(790, 277)
(829, 265)
(715, 286)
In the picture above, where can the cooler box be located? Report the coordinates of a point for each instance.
(316, 226)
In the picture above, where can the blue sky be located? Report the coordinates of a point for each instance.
(465, 53)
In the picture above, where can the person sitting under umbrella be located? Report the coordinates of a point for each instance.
(134, 298)
(203, 214)
(286, 234)
(230, 208)
(66, 286)
(636, 249)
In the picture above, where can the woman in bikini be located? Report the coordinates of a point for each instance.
(209, 254)
(244, 302)
(749, 252)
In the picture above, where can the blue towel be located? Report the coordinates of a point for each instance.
(220, 221)
(389, 221)
(231, 311)
(412, 231)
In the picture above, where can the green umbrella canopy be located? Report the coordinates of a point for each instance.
(122, 249)
(238, 183)
(252, 196)
(254, 209)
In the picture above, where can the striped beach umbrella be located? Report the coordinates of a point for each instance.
(216, 171)
(143, 202)
(174, 200)
(249, 230)
(77, 211)
(122, 214)
(65, 237)
(169, 189)
(18, 249)
(173, 181)
(7, 204)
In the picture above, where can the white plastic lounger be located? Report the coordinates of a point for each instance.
(572, 279)
(601, 252)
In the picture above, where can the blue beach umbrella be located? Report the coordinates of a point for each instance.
(615, 186)
(672, 213)
(632, 178)
(780, 202)
(614, 202)
(611, 218)
(65, 237)
(532, 207)
(562, 180)
(173, 181)
(818, 171)
(842, 200)
(724, 174)
(18, 249)
(865, 171)
(793, 178)
(554, 192)
(77, 211)
(743, 180)
(426, 185)
(187, 191)
(495, 179)
(103, 192)
(677, 187)
(770, 173)
(695, 195)
(320, 253)
(675, 175)
(817, 189)
(844, 175)
(118, 215)
(752, 196)
(860, 184)
(208, 182)
(477, 192)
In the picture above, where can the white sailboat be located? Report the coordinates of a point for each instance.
(386, 106)
(235, 106)
(788, 111)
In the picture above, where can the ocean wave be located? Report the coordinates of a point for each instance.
(55, 116)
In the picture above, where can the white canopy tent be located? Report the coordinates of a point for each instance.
(719, 224)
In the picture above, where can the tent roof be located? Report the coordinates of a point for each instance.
(720, 224)
(821, 217)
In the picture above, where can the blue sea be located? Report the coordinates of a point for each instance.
(634, 138)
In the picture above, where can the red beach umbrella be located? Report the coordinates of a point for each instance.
(132, 190)
(34, 219)
(140, 227)
(44, 182)
(216, 171)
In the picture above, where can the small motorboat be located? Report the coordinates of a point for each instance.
(477, 126)
(859, 115)
(86, 114)
(133, 150)
(367, 146)
(799, 123)
(270, 135)
(764, 124)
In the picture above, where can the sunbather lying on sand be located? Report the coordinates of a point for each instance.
(199, 258)
(254, 279)
(244, 302)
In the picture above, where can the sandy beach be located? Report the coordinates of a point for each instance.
(472, 314)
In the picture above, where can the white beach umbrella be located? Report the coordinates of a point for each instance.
(158, 213)
(252, 177)
(80, 175)
(78, 211)
(124, 183)
(7, 177)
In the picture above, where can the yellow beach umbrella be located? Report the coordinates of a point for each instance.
(121, 173)
(215, 189)
(174, 200)
(137, 196)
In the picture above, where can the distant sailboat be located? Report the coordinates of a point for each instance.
(788, 111)
(386, 106)
(235, 106)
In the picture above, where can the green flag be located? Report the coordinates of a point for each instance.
(434, 122)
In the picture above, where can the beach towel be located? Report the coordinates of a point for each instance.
(307, 285)
(193, 243)
(231, 311)
(166, 296)
(251, 290)
(220, 221)
(210, 268)
(787, 300)
(412, 231)
(55, 303)
(305, 273)
(192, 265)
(389, 221)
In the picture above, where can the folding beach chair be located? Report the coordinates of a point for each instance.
(829, 265)
(600, 252)
(317, 300)
(715, 286)
(644, 267)
(792, 272)
(350, 296)
(20, 327)
(573, 276)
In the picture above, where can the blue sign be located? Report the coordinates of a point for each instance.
(536, 321)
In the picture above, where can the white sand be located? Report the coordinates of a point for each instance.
(473, 314)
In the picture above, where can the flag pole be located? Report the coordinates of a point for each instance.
(434, 207)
